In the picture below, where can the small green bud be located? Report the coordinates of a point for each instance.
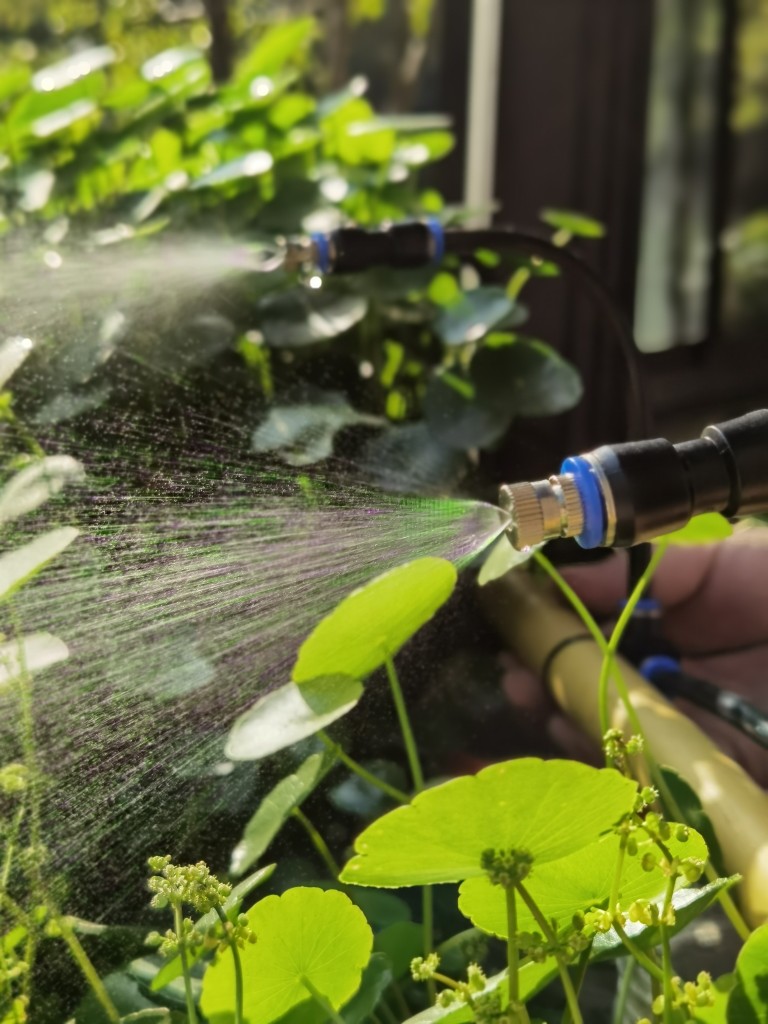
(476, 979)
(423, 967)
(157, 864)
(682, 833)
(692, 868)
(648, 862)
(447, 997)
(506, 867)
(631, 847)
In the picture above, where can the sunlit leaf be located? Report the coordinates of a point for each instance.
(707, 528)
(688, 806)
(169, 61)
(424, 148)
(59, 120)
(688, 904)
(71, 69)
(502, 558)
(366, 142)
(444, 289)
(747, 1002)
(30, 653)
(289, 714)
(573, 884)
(32, 486)
(526, 804)
(275, 809)
(279, 44)
(21, 564)
(13, 352)
(291, 109)
(373, 622)
(231, 907)
(306, 934)
(574, 223)
(252, 165)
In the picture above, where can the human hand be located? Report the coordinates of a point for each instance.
(715, 614)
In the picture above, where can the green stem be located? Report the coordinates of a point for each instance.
(614, 898)
(363, 773)
(642, 958)
(562, 967)
(417, 774)
(89, 971)
(10, 848)
(428, 931)
(625, 987)
(179, 926)
(594, 630)
(513, 966)
(666, 954)
(618, 632)
(405, 726)
(238, 968)
(321, 1000)
(578, 976)
(317, 841)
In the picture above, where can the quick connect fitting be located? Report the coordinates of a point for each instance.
(407, 245)
(620, 495)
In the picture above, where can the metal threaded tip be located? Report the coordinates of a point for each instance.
(542, 510)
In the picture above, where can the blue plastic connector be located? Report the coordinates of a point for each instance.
(593, 533)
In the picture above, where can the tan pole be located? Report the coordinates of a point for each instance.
(530, 619)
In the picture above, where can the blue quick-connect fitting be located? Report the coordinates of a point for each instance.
(438, 238)
(659, 664)
(593, 533)
(323, 251)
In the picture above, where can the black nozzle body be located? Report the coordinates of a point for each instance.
(404, 246)
(653, 487)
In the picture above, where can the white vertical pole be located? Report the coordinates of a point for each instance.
(482, 107)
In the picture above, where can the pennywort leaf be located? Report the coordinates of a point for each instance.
(547, 808)
(374, 621)
(308, 939)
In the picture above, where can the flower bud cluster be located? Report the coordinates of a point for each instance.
(194, 884)
(423, 967)
(506, 867)
(618, 749)
(688, 995)
(14, 778)
(171, 943)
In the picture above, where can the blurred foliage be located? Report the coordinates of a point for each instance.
(115, 140)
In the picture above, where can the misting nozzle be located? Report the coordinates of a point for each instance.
(542, 510)
(619, 495)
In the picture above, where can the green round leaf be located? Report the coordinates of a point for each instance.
(313, 934)
(275, 809)
(707, 528)
(290, 714)
(300, 316)
(547, 808)
(749, 1000)
(304, 434)
(374, 621)
(574, 223)
(470, 319)
(576, 883)
(529, 376)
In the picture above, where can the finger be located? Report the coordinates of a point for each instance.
(603, 586)
(525, 691)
